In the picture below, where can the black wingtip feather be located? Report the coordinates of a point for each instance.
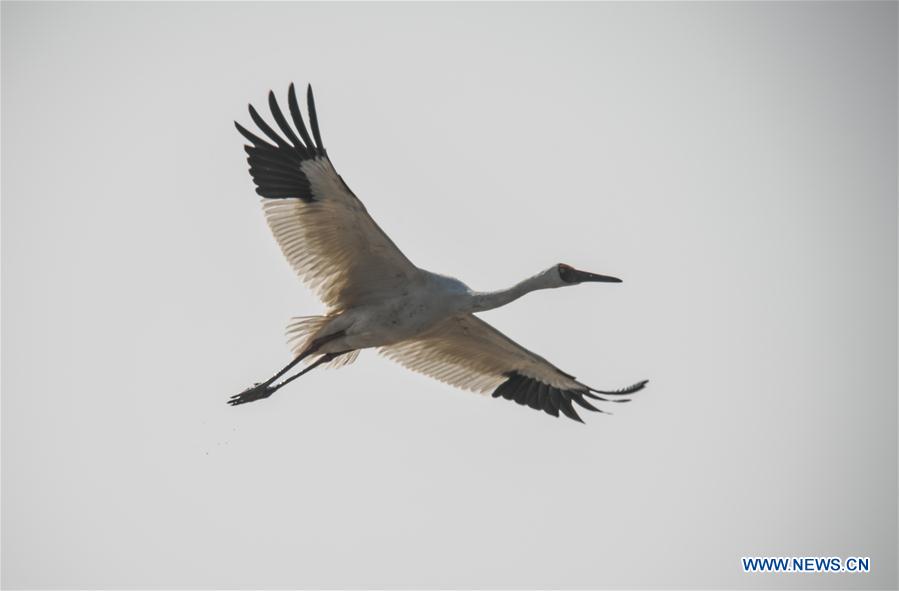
(623, 391)
(297, 116)
(568, 410)
(579, 400)
(534, 395)
(252, 138)
(266, 129)
(548, 406)
(313, 119)
(282, 123)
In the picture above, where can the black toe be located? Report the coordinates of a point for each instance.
(251, 394)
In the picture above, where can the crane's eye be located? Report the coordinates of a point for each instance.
(568, 274)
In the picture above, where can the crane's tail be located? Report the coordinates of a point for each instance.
(301, 330)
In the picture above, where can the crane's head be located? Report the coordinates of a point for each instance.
(571, 276)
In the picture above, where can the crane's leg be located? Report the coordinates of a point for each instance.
(266, 389)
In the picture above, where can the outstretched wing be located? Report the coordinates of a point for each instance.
(468, 353)
(323, 229)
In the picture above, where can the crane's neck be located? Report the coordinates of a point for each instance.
(488, 300)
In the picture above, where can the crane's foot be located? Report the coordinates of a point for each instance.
(253, 393)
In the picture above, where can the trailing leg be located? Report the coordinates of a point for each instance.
(266, 389)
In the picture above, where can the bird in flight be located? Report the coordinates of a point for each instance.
(376, 297)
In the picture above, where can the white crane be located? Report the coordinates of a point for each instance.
(376, 297)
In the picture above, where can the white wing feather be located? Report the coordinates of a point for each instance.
(468, 353)
(332, 243)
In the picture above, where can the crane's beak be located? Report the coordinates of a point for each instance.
(582, 276)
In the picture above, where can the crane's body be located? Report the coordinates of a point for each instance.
(377, 298)
(415, 309)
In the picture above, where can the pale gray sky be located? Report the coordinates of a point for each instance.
(735, 164)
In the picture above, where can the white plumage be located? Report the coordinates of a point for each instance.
(377, 298)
